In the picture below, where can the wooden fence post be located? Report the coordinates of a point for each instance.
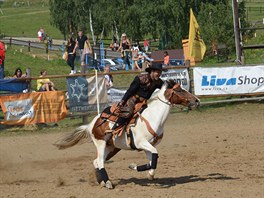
(28, 72)
(28, 46)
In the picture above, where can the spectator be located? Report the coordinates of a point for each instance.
(43, 33)
(85, 55)
(18, 74)
(80, 41)
(166, 58)
(137, 59)
(40, 34)
(146, 45)
(2, 59)
(70, 46)
(125, 50)
(45, 84)
(108, 77)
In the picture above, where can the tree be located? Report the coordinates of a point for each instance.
(164, 19)
(216, 23)
(63, 15)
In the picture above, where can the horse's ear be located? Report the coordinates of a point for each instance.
(170, 83)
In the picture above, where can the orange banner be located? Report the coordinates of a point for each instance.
(36, 107)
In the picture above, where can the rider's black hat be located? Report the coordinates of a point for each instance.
(155, 66)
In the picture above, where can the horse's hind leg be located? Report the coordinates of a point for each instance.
(101, 174)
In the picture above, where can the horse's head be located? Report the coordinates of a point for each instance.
(175, 94)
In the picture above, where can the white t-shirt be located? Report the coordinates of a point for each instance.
(109, 81)
(39, 34)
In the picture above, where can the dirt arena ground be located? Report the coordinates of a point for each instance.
(215, 152)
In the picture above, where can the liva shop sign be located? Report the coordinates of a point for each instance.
(228, 80)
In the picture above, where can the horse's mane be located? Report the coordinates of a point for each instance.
(158, 92)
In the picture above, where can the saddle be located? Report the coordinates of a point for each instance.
(112, 113)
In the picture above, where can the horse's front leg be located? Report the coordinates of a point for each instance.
(152, 155)
(153, 158)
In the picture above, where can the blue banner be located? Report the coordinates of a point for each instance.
(78, 93)
(13, 85)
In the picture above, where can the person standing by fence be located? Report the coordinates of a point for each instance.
(108, 77)
(166, 58)
(85, 54)
(80, 42)
(71, 54)
(146, 45)
(2, 59)
(125, 50)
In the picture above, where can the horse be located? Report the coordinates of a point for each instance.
(144, 135)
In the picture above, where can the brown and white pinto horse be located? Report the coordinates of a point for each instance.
(144, 135)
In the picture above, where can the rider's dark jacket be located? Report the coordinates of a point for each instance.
(140, 89)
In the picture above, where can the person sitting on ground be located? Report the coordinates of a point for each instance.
(138, 60)
(140, 91)
(45, 84)
(18, 74)
(108, 77)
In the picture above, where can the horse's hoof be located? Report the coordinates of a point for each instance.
(133, 166)
(150, 177)
(102, 184)
(151, 174)
(109, 185)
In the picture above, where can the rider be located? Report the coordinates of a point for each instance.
(140, 91)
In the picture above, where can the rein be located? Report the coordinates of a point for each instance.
(171, 105)
(156, 137)
(167, 103)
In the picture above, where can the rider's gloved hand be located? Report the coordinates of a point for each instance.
(121, 103)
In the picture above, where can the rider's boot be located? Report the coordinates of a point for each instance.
(119, 122)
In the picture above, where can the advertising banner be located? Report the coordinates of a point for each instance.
(83, 93)
(180, 75)
(228, 80)
(35, 107)
(115, 95)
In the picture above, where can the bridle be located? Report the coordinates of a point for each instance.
(167, 103)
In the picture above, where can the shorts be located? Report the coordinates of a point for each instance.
(82, 56)
(41, 89)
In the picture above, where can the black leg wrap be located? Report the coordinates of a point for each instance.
(154, 160)
(98, 176)
(104, 175)
(143, 167)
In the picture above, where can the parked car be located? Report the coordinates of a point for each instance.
(119, 61)
(176, 62)
(114, 65)
(94, 64)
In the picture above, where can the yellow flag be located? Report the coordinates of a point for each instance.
(197, 47)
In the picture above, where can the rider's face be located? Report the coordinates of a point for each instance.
(155, 74)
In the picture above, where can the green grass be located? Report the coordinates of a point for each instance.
(57, 66)
(26, 21)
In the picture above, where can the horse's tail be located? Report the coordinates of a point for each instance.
(73, 138)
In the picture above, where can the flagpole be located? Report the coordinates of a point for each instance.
(236, 31)
(97, 94)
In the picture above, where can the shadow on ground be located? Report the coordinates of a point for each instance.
(168, 182)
